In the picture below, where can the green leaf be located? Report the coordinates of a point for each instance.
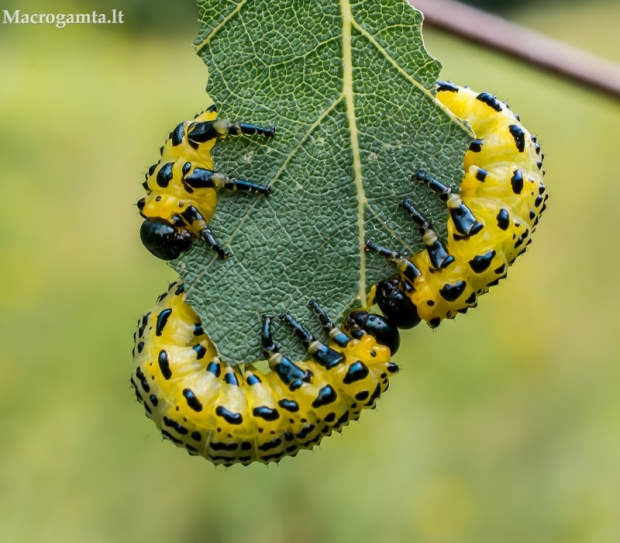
(351, 90)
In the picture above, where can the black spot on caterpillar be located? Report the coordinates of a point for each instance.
(500, 202)
(182, 187)
(241, 415)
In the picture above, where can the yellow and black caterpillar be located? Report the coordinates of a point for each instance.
(490, 222)
(242, 415)
(182, 187)
(232, 415)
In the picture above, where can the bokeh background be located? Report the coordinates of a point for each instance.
(504, 426)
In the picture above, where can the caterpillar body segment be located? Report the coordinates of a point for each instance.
(182, 187)
(491, 220)
(240, 414)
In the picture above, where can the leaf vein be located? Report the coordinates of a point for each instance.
(223, 22)
(407, 76)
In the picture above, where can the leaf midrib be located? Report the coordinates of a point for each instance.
(347, 91)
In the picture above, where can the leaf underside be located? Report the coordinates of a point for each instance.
(350, 88)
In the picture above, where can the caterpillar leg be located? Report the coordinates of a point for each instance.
(331, 330)
(326, 357)
(292, 375)
(210, 240)
(206, 128)
(202, 132)
(437, 251)
(197, 223)
(464, 221)
(201, 178)
(405, 266)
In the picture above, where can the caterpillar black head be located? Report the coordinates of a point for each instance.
(359, 322)
(394, 303)
(164, 240)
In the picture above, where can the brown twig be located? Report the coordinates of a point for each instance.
(521, 43)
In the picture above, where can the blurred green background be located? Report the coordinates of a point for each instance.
(503, 427)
